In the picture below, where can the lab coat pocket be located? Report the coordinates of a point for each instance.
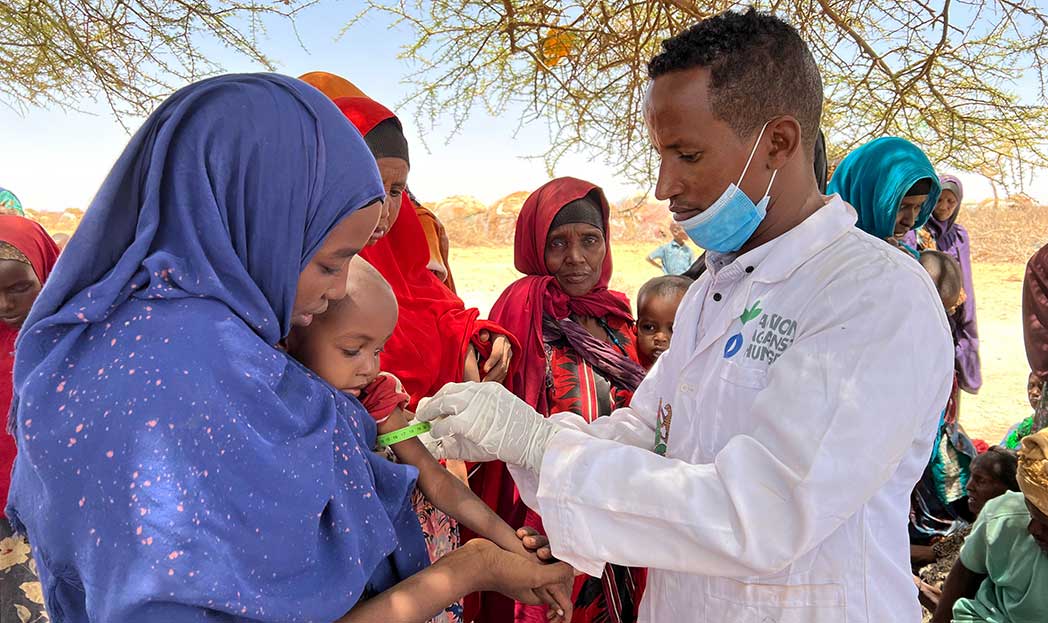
(738, 602)
(752, 378)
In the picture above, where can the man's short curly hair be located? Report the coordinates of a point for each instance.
(760, 68)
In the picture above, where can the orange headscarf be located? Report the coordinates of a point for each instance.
(331, 85)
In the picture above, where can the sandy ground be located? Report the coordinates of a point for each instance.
(1000, 403)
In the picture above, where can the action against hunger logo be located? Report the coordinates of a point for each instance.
(735, 342)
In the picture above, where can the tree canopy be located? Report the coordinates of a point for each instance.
(129, 52)
(940, 73)
(965, 79)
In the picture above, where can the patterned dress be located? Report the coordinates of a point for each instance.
(573, 385)
(21, 597)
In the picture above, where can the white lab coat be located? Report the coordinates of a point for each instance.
(794, 442)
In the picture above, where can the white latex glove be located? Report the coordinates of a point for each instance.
(482, 422)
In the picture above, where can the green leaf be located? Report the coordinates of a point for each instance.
(751, 313)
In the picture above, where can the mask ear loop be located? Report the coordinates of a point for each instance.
(753, 152)
(770, 182)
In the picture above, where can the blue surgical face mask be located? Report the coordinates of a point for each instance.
(730, 221)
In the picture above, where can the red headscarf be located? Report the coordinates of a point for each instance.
(522, 305)
(37, 246)
(435, 329)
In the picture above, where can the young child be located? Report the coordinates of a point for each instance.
(946, 274)
(342, 346)
(675, 256)
(657, 303)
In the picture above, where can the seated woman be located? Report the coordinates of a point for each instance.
(891, 184)
(993, 475)
(174, 463)
(578, 343)
(1000, 575)
(27, 255)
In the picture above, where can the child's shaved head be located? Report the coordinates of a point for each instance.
(946, 274)
(365, 286)
(343, 344)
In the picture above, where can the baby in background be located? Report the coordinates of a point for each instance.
(946, 274)
(657, 303)
(343, 346)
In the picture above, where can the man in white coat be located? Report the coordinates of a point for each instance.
(763, 470)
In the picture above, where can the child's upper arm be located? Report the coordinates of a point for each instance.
(410, 451)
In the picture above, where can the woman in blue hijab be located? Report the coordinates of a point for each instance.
(891, 184)
(174, 464)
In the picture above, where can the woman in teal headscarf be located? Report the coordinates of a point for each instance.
(891, 184)
(9, 204)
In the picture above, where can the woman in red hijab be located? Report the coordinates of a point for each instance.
(578, 346)
(27, 255)
(437, 340)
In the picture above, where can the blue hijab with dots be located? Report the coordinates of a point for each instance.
(174, 464)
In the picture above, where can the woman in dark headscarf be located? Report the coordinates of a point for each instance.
(336, 87)
(174, 463)
(437, 338)
(27, 256)
(891, 184)
(578, 344)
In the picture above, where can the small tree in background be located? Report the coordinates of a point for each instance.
(940, 73)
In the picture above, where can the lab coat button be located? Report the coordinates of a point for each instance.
(717, 296)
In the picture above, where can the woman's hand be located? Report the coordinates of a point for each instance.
(523, 580)
(535, 543)
(496, 367)
(471, 370)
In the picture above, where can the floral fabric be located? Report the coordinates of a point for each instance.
(21, 598)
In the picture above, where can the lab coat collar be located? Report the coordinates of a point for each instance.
(776, 260)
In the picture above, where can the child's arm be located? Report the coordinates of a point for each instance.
(448, 493)
(656, 254)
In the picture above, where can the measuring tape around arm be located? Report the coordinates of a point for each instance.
(403, 434)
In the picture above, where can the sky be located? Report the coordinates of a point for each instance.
(55, 159)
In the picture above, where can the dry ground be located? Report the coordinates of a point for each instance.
(998, 286)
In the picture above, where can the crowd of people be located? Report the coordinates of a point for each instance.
(246, 389)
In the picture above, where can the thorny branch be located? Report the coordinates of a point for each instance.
(939, 72)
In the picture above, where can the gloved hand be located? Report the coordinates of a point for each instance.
(483, 421)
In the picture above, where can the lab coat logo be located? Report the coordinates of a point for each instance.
(735, 342)
(662, 427)
(773, 335)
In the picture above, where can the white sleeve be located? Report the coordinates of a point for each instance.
(859, 391)
(633, 426)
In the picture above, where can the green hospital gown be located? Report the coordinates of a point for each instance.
(1000, 547)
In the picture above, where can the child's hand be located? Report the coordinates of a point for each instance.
(523, 580)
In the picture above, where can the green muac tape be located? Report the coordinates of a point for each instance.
(403, 434)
